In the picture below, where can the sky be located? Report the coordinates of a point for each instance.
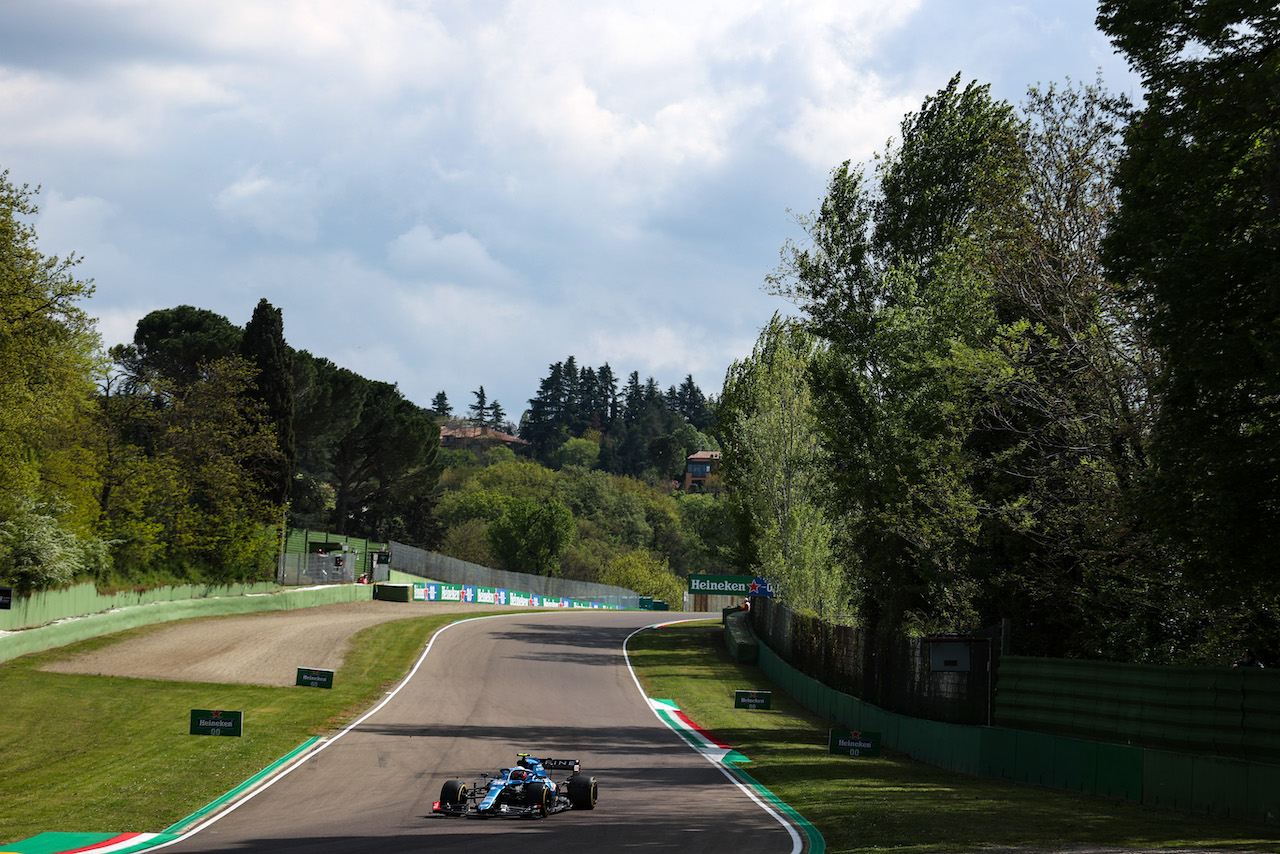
(453, 195)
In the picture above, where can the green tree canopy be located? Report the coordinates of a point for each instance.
(776, 468)
(175, 343)
(1197, 239)
(530, 536)
(49, 359)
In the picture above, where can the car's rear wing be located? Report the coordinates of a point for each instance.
(562, 765)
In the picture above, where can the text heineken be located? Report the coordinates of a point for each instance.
(730, 585)
(743, 699)
(216, 722)
(314, 678)
(843, 742)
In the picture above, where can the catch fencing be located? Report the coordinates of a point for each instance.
(438, 567)
(297, 570)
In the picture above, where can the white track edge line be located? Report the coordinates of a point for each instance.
(797, 843)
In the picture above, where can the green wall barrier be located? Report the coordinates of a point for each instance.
(738, 639)
(1206, 784)
(393, 592)
(49, 606)
(1218, 710)
(81, 628)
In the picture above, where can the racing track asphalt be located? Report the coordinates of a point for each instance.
(548, 683)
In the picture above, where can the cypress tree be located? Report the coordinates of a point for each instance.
(263, 345)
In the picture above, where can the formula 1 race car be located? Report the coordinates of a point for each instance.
(526, 790)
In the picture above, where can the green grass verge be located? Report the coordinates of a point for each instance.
(104, 754)
(892, 803)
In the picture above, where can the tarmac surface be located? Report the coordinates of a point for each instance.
(553, 684)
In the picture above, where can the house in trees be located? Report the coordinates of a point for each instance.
(464, 435)
(698, 468)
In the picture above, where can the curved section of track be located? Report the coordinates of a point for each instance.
(552, 684)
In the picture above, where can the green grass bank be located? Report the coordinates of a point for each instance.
(891, 803)
(106, 754)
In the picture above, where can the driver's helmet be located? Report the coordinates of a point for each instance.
(520, 775)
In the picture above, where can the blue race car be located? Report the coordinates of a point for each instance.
(526, 790)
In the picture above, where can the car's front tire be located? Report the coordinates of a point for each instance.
(538, 796)
(454, 793)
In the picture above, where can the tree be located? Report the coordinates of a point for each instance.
(690, 402)
(383, 463)
(881, 283)
(174, 344)
(545, 427)
(183, 487)
(1197, 239)
(479, 410)
(263, 345)
(646, 574)
(776, 467)
(328, 402)
(495, 416)
(530, 536)
(576, 452)
(214, 432)
(440, 405)
(49, 357)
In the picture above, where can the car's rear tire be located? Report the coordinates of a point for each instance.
(582, 792)
(454, 793)
(538, 796)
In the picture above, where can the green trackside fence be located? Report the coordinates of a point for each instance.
(50, 606)
(157, 606)
(1217, 711)
(1188, 781)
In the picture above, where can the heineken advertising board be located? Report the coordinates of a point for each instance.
(730, 585)
(842, 742)
(752, 699)
(312, 677)
(211, 722)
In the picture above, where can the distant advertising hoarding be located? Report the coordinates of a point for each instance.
(434, 591)
(730, 585)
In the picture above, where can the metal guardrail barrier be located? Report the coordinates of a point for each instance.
(440, 567)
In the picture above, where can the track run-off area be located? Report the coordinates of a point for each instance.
(553, 684)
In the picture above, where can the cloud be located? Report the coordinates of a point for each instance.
(449, 257)
(271, 206)
(450, 195)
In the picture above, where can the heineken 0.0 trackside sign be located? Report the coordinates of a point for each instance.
(747, 699)
(314, 678)
(842, 742)
(214, 722)
(730, 585)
